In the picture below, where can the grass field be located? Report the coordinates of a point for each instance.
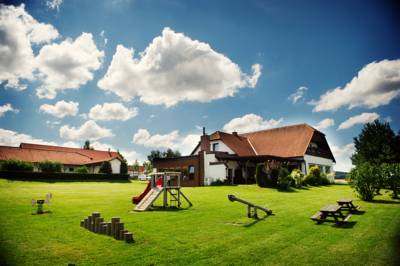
(213, 231)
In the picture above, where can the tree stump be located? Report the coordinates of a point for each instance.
(118, 227)
(114, 221)
(108, 229)
(121, 234)
(86, 223)
(97, 222)
(128, 237)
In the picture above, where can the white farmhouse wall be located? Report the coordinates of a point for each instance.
(213, 172)
(115, 166)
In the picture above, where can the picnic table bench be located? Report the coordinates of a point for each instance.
(334, 211)
(348, 205)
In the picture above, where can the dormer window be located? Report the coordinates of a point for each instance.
(215, 146)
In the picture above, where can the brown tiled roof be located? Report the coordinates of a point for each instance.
(70, 156)
(289, 141)
(238, 144)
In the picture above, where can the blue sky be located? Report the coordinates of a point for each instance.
(225, 65)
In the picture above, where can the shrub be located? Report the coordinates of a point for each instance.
(298, 177)
(323, 180)
(273, 177)
(50, 167)
(363, 180)
(82, 170)
(284, 179)
(105, 168)
(390, 175)
(123, 168)
(16, 165)
(261, 176)
(217, 182)
(313, 176)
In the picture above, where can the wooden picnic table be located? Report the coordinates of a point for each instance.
(334, 211)
(348, 204)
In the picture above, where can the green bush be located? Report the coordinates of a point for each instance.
(284, 178)
(105, 168)
(273, 177)
(298, 177)
(363, 180)
(123, 168)
(16, 165)
(54, 177)
(50, 167)
(315, 177)
(217, 182)
(82, 170)
(390, 177)
(261, 176)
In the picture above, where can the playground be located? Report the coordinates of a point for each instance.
(212, 231)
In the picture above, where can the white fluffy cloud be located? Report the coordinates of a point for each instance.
(185, 144)
(61, 109)
(376, 84)
(67, 65)
(297, 95)
(89, 130)
(18, 32)
(7, 108)
(249, 123)
(112, 111)
(358, 119)
(143, 137)
(54, 4)
(342, 155)
(175, 68)
(325, 123)
(12, 138)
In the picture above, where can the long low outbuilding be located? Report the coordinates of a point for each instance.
(70, 158)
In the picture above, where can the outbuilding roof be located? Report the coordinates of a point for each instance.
(65, 155)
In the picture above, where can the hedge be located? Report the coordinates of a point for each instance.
(41, 176)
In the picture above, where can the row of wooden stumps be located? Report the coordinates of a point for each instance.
(115, 228)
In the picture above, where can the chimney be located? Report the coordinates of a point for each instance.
(109, 152)
(205, 141)
(235, 133)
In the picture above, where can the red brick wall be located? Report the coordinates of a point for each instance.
(184, 162)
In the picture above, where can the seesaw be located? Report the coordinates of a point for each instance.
(250, 207)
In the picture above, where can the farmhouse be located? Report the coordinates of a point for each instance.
(233, 157)
(70, 158)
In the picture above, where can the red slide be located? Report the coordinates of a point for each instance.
(137, 199)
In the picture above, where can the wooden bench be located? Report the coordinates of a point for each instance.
(348, 205)
(334, 211)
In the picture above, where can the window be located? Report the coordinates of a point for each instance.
(191, 172)
(71, 169)
(215, 146)
(327, 169)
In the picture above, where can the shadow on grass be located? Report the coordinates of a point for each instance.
(396, 246)
(168, 209)
(342, 225)
(386, 201)
(289, 190)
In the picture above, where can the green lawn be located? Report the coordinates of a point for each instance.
(213, 231)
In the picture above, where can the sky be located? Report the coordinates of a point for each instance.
(135, 76)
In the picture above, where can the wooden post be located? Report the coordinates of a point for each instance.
(108, 229)
(114, 221)
(101, 227)
(86, 223)
(97, 222)
(118, 228)
(90, 223)
(165, 190)
(121, 234)
(128, 237)
(82, 223)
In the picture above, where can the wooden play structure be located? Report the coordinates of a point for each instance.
(251, 208)
(115, 228)
(167, 184)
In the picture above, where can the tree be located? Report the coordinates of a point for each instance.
(148, 167)
(123, 168)
(376, 144)
(105, 168)
(136, 166)
(50, 167)
(169, 153)
(87, 146)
